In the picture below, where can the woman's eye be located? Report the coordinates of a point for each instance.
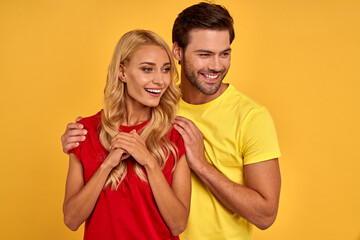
(147, 69)
(166, 70)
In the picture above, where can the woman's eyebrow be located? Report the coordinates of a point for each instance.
(153, 64)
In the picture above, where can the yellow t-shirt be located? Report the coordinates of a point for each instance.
(237, 131)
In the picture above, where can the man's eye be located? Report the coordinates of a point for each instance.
(204, 55)
(225, 54)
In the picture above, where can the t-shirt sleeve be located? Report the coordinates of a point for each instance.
(76, 151)
(178, 141)
(259, 138)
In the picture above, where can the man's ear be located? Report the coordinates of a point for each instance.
(177, 51)
(121, 75)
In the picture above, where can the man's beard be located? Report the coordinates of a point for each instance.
(203, 87)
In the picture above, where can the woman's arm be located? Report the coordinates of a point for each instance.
(173, 202)
(80, 198)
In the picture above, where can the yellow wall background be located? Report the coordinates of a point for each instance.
(301, 59)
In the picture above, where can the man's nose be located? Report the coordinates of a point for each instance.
(215, 64)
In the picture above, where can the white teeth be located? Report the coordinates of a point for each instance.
(153, 91)
(211, 76)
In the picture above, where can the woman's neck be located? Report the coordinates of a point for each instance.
(135, 114)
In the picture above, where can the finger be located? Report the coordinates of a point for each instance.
(126, 148)
(185, 127)
(75, 139)
(73, 126)
(125, 136)
(114, 139)
(69, 147)
(185, 135)
(125, 156)
(66, 139)
(133, 137)
(75, 132)
(129, 142)
(185, 121)
(188, 125)
(116, 154)
(136, 136)
(120, 145)
(122, 136)
(119, 150)
(78, 119)
(180, 118)
(72, 142)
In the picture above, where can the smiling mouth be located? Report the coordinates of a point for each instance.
(153, 91)
(211, 77)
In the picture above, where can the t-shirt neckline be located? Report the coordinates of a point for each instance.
(214, 101)
(137, 127)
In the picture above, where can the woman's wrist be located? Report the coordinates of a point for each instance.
(105, 166)
(151, 164)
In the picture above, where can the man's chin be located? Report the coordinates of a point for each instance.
(209, 90)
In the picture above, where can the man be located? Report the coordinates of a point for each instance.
(233, 149)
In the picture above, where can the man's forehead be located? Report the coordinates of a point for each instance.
(208, 38)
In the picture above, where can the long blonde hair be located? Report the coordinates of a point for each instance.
(162, 116)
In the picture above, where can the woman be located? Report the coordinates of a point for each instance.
(129, 179)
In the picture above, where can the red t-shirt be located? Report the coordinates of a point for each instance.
(130, 212)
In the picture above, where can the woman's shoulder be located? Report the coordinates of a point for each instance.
(173, 135)
(91, 121)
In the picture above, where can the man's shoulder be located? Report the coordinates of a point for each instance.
(230, 104)
(240, 100)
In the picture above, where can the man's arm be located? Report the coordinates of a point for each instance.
(74, 134)
(257, 202)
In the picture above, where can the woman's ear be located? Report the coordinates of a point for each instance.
(177, 51)
(121, 75)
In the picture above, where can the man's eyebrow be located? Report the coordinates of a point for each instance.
(203, 51)
(227, 50)
(208, 51)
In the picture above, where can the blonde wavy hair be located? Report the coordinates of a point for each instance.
(114, 112)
